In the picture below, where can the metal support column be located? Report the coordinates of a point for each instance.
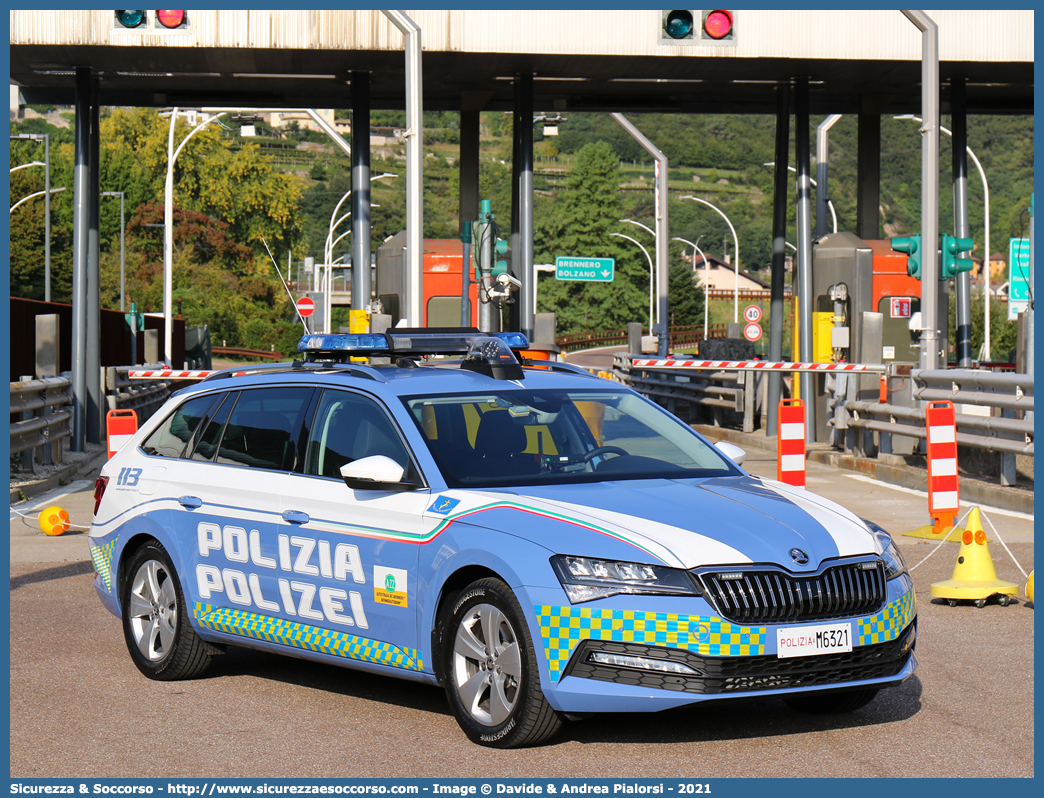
(95, 397)
(804, 249)
(469, 158)
(81, 224)
(779, 253)
(361, 227)
(868, 170)
(961, 227)
(522, 254)
(47, 217)
(823, 173)
(929, 359)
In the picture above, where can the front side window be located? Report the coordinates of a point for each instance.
(349, 427)
(514, 437)
(172, 436)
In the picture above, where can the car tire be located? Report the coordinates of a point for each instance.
(833, 703)
(156, 626)
(490, 670)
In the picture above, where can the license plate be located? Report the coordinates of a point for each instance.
(805, 641)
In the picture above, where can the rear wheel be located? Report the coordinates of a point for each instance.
(832, 703)
(159, 636)
(490, 670)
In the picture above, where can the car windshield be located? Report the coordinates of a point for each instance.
(510, 437)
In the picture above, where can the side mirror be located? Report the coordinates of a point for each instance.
(376, 472)
(731, 451)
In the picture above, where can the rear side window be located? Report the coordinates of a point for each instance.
(262, 429)
(172, 436)
(207, 444)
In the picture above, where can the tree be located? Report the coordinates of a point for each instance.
(685, 298)
(579, 224)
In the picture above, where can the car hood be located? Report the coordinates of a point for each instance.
(690, 523)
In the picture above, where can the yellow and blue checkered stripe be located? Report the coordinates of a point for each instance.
(888, 623)
(562, 629)
(313, 638)
(102, 558)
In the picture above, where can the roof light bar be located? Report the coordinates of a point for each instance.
(338, 347)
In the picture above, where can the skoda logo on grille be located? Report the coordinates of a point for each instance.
(798, 556)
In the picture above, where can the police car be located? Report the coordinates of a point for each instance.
(543, 543)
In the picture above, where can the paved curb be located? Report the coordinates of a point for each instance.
(66, 475)
(973, 491)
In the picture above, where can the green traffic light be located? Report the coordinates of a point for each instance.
(951, 248)
(130, 19)
(678, 25)
(910, 245)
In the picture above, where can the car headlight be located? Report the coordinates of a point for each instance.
(587, 578)
(893, 560)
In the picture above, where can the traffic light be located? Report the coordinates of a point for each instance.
(714, 27)
(678, 26)
(152, 21)
(718, 26)
(911, 246)
(951, 264)
(500, 266)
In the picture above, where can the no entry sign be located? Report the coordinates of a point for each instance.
(306, 306)
(752, 331)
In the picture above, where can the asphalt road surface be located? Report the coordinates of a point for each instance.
(79, 708)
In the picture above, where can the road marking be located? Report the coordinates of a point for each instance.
(1012, 513)
(72, 487)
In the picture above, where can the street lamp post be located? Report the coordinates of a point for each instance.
(735, 241)
(986, 233)
(815, 185)
(706, 277)
(652, 293)
(168, 229)
(651, 272)
(122, 231)
(28, 197)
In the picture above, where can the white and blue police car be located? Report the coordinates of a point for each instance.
(544, 543)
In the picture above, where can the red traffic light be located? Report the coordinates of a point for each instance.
(170, 19)
(716, 25)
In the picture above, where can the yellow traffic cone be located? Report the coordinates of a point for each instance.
(974, 577)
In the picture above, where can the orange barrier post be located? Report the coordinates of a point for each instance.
(943, 488)
(120, 426)
(790, 444)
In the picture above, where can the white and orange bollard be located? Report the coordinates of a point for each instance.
(790, 442)
(120, 426)
(943, 484)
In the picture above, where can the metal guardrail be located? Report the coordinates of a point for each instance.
(720, 390)
(43, 419)
(680, 336)
(258, 354)
(122, 393)
(985, 389)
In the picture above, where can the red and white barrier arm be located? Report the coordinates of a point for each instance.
(169, 374)
(755, 365)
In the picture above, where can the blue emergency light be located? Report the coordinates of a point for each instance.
(403, 342)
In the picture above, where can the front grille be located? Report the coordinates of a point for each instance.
(771, 595)
(718, 675)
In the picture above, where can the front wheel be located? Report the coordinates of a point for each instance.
(159, 636)
(490, 670)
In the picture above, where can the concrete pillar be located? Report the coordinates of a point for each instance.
(361, 227)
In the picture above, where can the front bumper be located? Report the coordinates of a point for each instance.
(719, 659)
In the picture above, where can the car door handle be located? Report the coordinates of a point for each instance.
(190, 502)
(295, 517)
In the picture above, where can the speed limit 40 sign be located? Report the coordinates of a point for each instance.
(752, 314)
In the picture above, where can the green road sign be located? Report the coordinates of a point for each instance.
(596, 270)
(1018, 276)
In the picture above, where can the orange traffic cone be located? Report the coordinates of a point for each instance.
(974, 577)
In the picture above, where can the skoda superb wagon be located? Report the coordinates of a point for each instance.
(543, 543)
